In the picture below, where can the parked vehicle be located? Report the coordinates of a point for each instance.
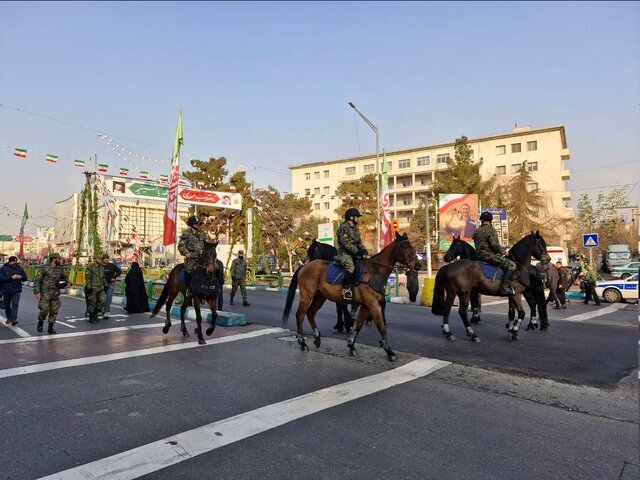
(625, 271)
(618, 290)
(617, 255)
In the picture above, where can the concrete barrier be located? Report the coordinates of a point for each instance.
(426, 299)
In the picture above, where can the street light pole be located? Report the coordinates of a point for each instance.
(428, 235)
(377, 132)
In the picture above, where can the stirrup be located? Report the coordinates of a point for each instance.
(347, 294)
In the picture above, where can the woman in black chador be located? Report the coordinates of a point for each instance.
(137, 300)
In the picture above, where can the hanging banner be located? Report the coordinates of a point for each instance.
(457, 216)
(500, 223)
(325, 233)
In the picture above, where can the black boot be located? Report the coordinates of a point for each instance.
(347, 294)
(50, 329)
(40, 325)
(231, 300)
(93, 317)
(505, 288)
(245, 303)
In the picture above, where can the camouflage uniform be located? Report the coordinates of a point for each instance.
(488, 248)
(238, 278)
(192, 243)
(349, 244)
(94, 284)
(46, 284)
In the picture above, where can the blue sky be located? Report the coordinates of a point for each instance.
(267, 84)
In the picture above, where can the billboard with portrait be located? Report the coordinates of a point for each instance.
(457, 216)
(500, 223)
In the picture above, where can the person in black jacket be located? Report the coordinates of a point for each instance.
(11, 277)
(111, 273)
(219, 282)
(135, 291)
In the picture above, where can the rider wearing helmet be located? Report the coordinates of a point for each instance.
(488, 250)
(190, 247)
(349, 246)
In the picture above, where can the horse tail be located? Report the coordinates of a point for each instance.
(437, 306)
(161, 300)
(291, 293)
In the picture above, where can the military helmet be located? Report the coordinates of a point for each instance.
(352, 212)
(486, 217)
(55, 255)
(193, 220)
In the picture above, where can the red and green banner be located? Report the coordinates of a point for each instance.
(171, 208)
(124, 171)
(102, 168)
(78, 163)
(52, 158)
(457, 217)
(20, 152)
(144, 175)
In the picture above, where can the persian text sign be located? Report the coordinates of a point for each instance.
(209, 198)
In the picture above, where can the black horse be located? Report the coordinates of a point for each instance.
(534, 295)
(462, 277)
(203, 283)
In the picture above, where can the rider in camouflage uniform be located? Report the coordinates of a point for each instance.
(46, 288)
(349, 246)
(190, 246)
(488, 250)
(94, 289)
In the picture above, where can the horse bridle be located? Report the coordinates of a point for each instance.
(407, 260)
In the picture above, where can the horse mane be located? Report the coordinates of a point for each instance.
(517, 253)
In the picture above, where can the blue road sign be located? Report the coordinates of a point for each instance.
(590, 240)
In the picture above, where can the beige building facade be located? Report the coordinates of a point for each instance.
(412, 171)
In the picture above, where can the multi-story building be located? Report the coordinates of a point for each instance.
(412, 171)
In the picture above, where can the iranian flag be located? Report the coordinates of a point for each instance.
(52, 158)
(78, 163)
(124, 171)
(164, 178)
(20, 152)
(144, 174)
(103, 167)
(385, 216)
(171, 209)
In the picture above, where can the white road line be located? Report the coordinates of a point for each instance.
(169, 451)
(17, 330)
(599, 311)
(66, 324)
(43, 367)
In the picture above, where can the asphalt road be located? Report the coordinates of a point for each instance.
(121, 400)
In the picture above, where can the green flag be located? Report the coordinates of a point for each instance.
(25, 216)
(178, 141)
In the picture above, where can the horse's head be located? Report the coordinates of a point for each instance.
(209, 256)
(412, 284)
(405, 253)
(539, 245)
(455, 249)
(312, 251)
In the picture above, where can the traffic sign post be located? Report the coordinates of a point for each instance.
(394, 228)
(590, 241)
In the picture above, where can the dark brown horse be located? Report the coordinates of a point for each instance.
(462, 277)
(314, 290)
(202, 286)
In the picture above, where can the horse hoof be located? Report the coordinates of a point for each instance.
(165, 329)
(201, 342)
(530, 328)
(353, 353)
(392, 357)
(475, 338)
(185, 333)
(475, 320)
(544, 328)
(317, 342)
(304, 348)
(451, 337)
(514, 337)
(210, 331)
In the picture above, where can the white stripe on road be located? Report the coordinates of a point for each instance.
(175, 449)
(17, 330)
(595, 313)
(43, 367)
(66, 324)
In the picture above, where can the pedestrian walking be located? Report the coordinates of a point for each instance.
(11, 277)
(590, 280)
(135, 291)
(564, 283)
(111, 273)
(46, 288)
(239, 278)
(94, 289)
(219, 282)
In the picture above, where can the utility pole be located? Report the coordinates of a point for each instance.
(428, 235)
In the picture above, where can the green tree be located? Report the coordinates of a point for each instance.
(418, 226)
(361, 194)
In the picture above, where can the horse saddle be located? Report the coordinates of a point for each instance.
(335, 273)
(492, 272)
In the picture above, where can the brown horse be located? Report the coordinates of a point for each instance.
(202, 286)
(314, 290)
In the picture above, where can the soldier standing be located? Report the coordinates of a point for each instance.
(488, 250)
(239, 278)
(190, 247)
(94, 289)
(349, 246)
(46, 288)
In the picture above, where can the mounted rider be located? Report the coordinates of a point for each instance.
(350, 246)
(190, 247)
(488, 250)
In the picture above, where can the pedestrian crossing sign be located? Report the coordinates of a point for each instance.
(590, 240)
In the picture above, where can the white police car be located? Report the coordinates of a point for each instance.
(613, 291)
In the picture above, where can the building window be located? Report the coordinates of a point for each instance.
(531, 146)
(390, 165)
(316, 175)
(307, 192)
(501, 149)
(316, 206)
(423, 161)
(407, 219)
(516, 147)
(501, 170)
(326, 190)
(406, 163)
(472, 155)
(406, 201)
(391, 200)
(532, 186)
(316, 191)
(369, 168)
(515, 167)
(443, 158)
(566, 204)
(532, 166)
(326, 205)
(350, 171)
(326, 174)
(407, 183)
(307, 176)
(425, 182)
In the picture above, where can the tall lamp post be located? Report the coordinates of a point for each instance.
(377, 132)
(428, 234)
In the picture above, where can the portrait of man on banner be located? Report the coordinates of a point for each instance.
(458, 216)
